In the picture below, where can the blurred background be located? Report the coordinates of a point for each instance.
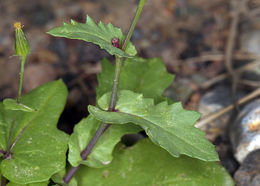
(212, 46)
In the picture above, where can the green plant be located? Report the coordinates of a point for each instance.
(33, 150)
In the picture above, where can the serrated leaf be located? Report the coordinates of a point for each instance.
(146, 76)
(11, 104)
(40, 148)
(102, 152)
(145, 164)
(100, 34)
(169, 126)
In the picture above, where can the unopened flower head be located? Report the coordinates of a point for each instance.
(22, 47)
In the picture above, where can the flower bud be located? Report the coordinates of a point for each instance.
(22, 47)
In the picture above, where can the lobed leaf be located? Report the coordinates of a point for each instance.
(39, 148)
(169, 126)
(102, 152)
(146, 76)
(146, 164)
(100, 34)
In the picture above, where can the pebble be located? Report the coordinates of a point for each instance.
(89, 52)
(180, 90)
(248, 173)
(213, 101)
(250, 41)
(245, 131)
(39, 15)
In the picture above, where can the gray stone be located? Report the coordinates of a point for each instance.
(245, 131)
(213, 101)
(256, 180)
(180, 90)
(248, 173)
(250, 41)
(252, 74)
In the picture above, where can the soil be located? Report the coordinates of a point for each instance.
(181, 32)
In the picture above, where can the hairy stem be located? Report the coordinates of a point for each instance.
(86, 152)
(103, 127)
(112, 104)
(8, 153)
(134, 22)
(3, 181)
(11, 132)
(2, 151)
(23, 59)
(17, 138)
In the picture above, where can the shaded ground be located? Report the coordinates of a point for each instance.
(168, 29)
(189, 35)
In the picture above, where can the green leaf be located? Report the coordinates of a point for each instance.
(102, 152)
(11, 104)
(30, 184)
(58, 178)
(146, 76)
(169, 126)
(100, 34)
(145, 164)
(38, 147)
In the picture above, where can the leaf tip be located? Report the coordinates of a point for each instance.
(89, 19)
(73, 22)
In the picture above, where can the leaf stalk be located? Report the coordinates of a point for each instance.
(103, 127)
(3, 181)
(23, 59)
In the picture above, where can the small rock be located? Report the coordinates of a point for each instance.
(252, 74)
(9, 75)
(250, 41)
(60, 47)
(218, 98)
(180, 90)
(137, 34)
(245, 131)
(38, 14)
(248, 173)
(38, 74)
(74, 96)
(89, 52)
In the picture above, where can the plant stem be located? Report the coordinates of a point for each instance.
(23, 59)
(112, 104)
(86, 152)
(103, 127)
(134, 21)
(3, 181)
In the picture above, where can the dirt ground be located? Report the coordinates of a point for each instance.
(199, 40)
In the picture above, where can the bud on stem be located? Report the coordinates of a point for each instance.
(22, 49)
(21, 44)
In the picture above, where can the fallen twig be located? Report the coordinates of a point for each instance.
(250, 83)
(219, 56)
(238, 8)
(222, 77)
(216, 115)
